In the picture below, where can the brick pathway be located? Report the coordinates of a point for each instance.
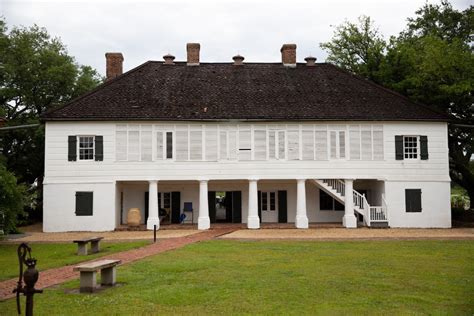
(59, 275)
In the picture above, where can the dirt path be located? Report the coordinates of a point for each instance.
(59, 275)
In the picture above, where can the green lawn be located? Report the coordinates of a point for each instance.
(272, 277)
(55, 255)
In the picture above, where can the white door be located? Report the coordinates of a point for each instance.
(269, 207)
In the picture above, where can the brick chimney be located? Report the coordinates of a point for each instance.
(288, 55)
(114, 65)
(193, 53)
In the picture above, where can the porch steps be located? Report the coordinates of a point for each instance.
(373, 216)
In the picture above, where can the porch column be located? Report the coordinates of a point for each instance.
(301, 217)
(203, 220)
(253, 221)
(349, 220)
(153, 218)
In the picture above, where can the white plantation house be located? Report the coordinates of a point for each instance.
(243, 143)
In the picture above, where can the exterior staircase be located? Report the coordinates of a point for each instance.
(373, 216)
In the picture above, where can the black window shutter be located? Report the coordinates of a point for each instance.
(413, 200)
(84, 202)
(260, 205)
(236, 207)
(72, 148)
(424, 147)
(99, 148)
(399, 147)
(146, 206)
(282, 207)
(176, 207)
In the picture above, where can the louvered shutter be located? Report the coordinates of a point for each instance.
(133, 142)
(211, 143)
(293, 145)
(399, 147)
(232, 153)
(308, 144)
(146, 143)
(182, 151)
(159, 145)
(424, 147)
(72, 148)
(354, 142)
(366, 140)
(260, 145)
(84, 203)
(332, 137)
(121, 142)
(281, 145)
(223, 145)
(196, 144)
(272, 145)
(245, 143)
(378, 142)
(413, 200)
(321, 144)
(342, 144)
(99, 148)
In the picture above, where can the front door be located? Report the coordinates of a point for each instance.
(269, 206)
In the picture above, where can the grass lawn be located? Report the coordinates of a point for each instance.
(55, 255)
(274, 277)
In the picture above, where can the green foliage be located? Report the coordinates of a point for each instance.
(12, 199)
(431, 62)
(358, 47)
(37, 75)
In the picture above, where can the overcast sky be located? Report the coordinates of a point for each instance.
(146, 30)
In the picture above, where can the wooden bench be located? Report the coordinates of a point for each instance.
(88, 278)
(82, 245)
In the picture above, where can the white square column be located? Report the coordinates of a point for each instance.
(301, 217)
(349, 220)
(203, 220)
(153, 218)
(253, 221)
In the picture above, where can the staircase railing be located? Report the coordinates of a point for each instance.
(337, 185)
(361, 203)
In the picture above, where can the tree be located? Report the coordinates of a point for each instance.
(431, 62)
(358, 48)
(37, 75)
(12, 199)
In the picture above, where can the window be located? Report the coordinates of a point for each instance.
(410, 147)
(86, 147)
(327, 203)
(84, 203)
(413, 200)
(164, 145)
(169, 145)
(268, 201)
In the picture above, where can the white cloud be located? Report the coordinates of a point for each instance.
(146, 30)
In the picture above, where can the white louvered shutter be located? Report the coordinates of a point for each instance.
(133, 142)
(293, 145)
(195, 144)
(366, 139)
(354, 142)
(342, 144)
(182, 150)
(281, 145)
(333, 137)
(159, 145)
(378, 142)
(321, 144)
(146, 142)
(260, 144)
(232, 153)
(272, 145)
(244, 143)
(211, 143)
(308, 144)
(223, 145)
(121, 142)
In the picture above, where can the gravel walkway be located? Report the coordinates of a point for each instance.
(351, 234)
(108, 236)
